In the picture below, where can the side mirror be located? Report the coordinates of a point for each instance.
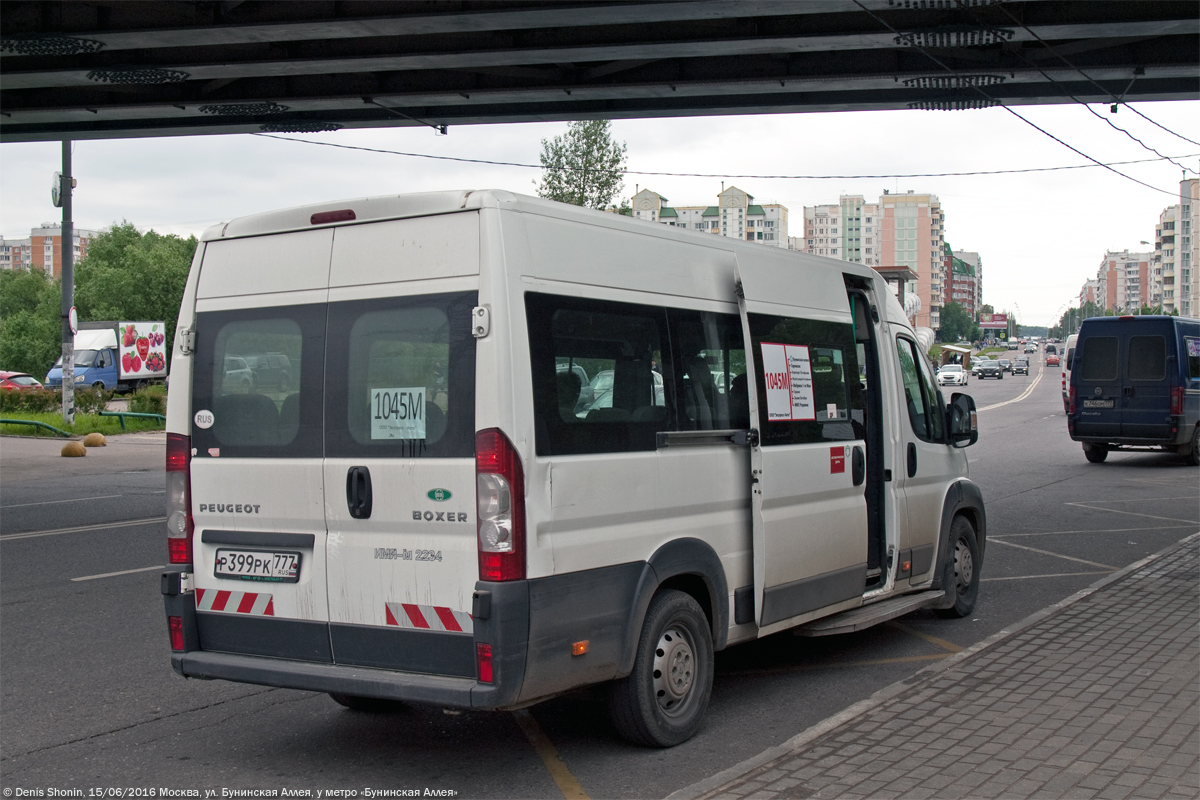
(964, 426)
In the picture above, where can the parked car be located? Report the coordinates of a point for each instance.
(1051, 360)
(990, 369)
(18, 380)
(271, 370)
(952, 375)
(1135, 383)
(238, 378)
(1020, 366)
(1006, 365)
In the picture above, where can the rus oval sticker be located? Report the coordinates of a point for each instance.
(204, 419)
(438, 494)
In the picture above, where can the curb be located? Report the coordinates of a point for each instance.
(708, 786)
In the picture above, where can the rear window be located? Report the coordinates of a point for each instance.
(1193, 356)
(1147, 358)
(1098, 361)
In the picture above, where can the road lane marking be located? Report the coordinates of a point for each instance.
(942, 643)
(1049, 575)
(1050, 553)
(115, 574)
(835, 665)
(74, 500)
(1028, 390)
(1099, 530)
(1130, 513)
(567, 783)
(82, 528)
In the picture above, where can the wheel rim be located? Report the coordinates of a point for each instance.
(964, 565)
(674, 669)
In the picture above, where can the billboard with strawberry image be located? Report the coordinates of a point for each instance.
(143, 351)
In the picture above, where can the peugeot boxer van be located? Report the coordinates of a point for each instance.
(1135, 383)
(430, 510)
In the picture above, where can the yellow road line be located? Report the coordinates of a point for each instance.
(567, 783)
(835, 665)
(1049, 575)
(942, 643)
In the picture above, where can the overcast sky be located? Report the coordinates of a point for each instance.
(1040, 234)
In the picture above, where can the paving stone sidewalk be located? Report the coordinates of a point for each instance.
(1095, 697)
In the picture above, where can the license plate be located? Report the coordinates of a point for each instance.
(1097, 403)
(258, 565)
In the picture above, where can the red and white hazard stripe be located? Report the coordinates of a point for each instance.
(259, 605)
(429, 618)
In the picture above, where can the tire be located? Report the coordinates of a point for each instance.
(368, 705)
(965, 566)
(663, 701)
(284, 382)
(1193, 457)
(1095, 453)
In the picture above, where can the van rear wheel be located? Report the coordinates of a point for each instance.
(663, 701)
(1095, 453)
(964, 553)
(1193, 458)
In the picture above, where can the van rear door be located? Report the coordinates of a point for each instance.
(1147, 390)
(808, 504)
(1096, 378)
(400, 444)
(257, 491)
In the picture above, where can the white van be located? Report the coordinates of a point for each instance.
(431, 510)
(1068, 356)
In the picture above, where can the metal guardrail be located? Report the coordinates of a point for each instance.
(124, 414)
(59, 431)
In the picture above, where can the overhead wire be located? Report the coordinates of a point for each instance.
(993, 100)
(488, 162)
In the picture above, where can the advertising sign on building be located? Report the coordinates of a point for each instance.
(993, 321)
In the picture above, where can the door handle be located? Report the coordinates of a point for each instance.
(358, 492)
(912, 459)
(858, 466)
(1127, 391)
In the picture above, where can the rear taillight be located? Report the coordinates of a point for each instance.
(1176, 399)
(179, 499)
(176, 626)
(483, 660)
(1071, 409)
(500, 506)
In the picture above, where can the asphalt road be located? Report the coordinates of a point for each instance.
(88, 699)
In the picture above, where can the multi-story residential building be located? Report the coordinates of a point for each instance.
(736, 215)
(1188, 248)
(1125, 281)
(1163, 268)
(962, 284)
(975, 262)
(913, 236)
(1090, 293)
(43, 249)
(848, 230)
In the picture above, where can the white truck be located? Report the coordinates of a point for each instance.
(120, 356)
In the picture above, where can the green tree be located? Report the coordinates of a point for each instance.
(584, 167)
(30, 321)
(956, 322)
(128, 275)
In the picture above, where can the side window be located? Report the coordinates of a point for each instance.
(253, 415)
(809, 389)
(1192, 344)
(1147, 358)
(599, 380)
(1098, 355)
(920, 395)
(401, 377)
(711, 367)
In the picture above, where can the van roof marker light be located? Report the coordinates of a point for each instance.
(325, 217)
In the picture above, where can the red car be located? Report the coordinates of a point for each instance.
(18, 380)
(1052, 360)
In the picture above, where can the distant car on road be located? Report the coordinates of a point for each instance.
(990, 369)
(1006, 365)
(19, 381)
(1031, 348)
(952, 375)
(1021, 366)
(1051, 360)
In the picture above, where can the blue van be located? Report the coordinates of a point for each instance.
(1135, 383)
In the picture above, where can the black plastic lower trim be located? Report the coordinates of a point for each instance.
(799, 597)
(436, 653)
(264, 636)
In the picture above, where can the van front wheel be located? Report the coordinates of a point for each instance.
(663, 701)
(965, 581)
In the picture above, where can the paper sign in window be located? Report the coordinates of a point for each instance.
(398, 413)
(787, 375)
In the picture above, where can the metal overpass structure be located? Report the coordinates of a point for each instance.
(116, 68)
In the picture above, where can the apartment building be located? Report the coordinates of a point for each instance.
(1090, 293)
(1164, 269)
(848, 230)
(735, 215)
(1188, 248)
(912, 234)
(962, 280)
(1125, 281)
(43, 249)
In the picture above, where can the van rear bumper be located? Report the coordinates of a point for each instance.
(360, 681)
